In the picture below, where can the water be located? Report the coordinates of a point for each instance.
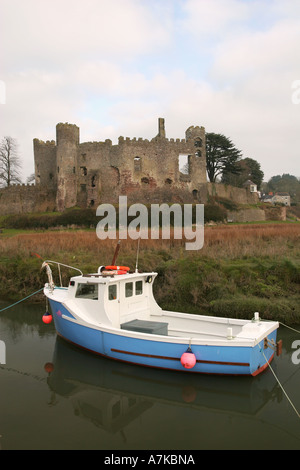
(54, 396)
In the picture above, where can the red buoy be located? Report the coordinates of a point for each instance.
(188, 359)
(49, 367)
(47, 318)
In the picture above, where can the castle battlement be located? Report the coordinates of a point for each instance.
(18, 186)
(41, 142)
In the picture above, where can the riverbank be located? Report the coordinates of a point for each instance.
(241, 268)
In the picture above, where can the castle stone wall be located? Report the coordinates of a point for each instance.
(20, 199)
(238, 195)
(247, 215)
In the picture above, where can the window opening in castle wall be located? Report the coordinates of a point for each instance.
(184, 164)
(137, 163)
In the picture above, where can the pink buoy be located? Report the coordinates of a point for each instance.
(47, 318)
(188, 359)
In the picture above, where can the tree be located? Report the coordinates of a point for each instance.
(249, 170)
(285, 183)
(221, 156)
(254, 171)
(10, 165)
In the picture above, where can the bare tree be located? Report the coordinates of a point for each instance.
(10, 165)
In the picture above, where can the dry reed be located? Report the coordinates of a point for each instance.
(224, 241)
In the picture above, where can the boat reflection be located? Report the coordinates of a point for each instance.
(112, 394)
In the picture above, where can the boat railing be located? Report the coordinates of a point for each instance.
(49, 272)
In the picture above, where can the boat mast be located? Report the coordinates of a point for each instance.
(116, 253)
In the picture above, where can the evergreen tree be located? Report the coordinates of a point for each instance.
(221, 156)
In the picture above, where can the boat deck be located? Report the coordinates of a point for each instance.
(198, 328)
(215, 329)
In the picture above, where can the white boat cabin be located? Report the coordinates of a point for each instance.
(113, 299)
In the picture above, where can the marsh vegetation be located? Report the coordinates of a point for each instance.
(241, 268)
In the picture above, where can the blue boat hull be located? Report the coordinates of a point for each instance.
(228, 360)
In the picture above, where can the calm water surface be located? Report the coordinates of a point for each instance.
(54, 396)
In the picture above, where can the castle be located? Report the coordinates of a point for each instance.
(90, 173)
(69, 173)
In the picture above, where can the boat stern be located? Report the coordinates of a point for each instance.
(264, 352)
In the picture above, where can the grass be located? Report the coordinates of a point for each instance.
(241, 268)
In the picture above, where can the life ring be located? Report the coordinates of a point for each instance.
(118, 268)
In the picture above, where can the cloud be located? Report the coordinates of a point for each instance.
(114, 66)
(251, 54)
(212, 18)
(62, 56)
(61, 32)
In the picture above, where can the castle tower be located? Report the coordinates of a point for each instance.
(45, 163)
(67, 141)
(195, 137)
(161, 128)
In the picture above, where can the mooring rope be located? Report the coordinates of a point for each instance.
(22, 300)
(280, 385)
(289, 327)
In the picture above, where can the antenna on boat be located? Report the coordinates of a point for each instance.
(116, 253)
(137, 255)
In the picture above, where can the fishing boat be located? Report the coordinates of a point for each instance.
(113, 313)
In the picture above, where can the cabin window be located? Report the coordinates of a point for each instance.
(128, 289)
(138, 287)
(112, 292)
(87, 291)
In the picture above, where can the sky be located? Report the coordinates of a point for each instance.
(113, 67)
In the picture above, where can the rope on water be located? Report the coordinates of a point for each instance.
(280, 385)
(19, 301)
